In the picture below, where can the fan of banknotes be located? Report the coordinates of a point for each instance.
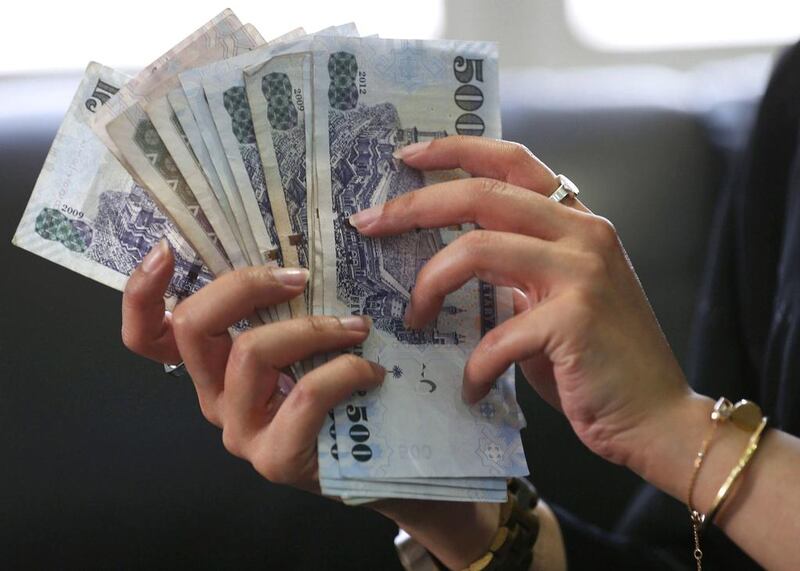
(242, 152)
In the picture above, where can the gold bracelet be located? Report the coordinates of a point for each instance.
(744, 460)
(719, 414)
(745, 415)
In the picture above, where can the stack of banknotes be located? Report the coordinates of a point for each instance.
(242, 152)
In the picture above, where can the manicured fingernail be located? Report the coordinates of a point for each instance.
(379, 371)
(360, 323)
(366, 217)
(411, 150)
(285, 383)
(292, 277)
(156, 256)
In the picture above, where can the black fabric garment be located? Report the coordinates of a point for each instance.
(746, 339)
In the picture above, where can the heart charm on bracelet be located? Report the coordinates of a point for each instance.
(745, 414)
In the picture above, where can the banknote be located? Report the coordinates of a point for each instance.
(372, 96)
(147, 157)
(188, 125)
(166, 124)
(87, 214)
(231, 112)
(192, 83)
(453, 489)
(230, 70)
(277, 97)
(226, 98)
(174, 137)
(239, 152)
(222, 25)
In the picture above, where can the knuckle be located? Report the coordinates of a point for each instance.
(356, 367)
(603, 234)
(320, 323)
(272, 470)
(182, 319)
(475, 240)
(254, 277)
(244, 349)
(594, 267)
(232, 441)
(305, 395)
(401, 205)
(519, 152)
(132, 340)
(452, 141)
(486, 188)
(136, 288)
(209, 411)
(491, 340)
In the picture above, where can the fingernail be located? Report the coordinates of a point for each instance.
(292, 277)
(366, 217)
(411, 150)
(285, 383)
(360, 323)
(156, 256)
(379, 371)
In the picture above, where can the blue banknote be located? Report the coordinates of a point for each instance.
(371, 97)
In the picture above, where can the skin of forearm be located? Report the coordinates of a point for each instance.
(458, 534)
(548, 551)
(761, 514)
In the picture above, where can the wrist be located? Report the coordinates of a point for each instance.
(667, 453)
(456, 533)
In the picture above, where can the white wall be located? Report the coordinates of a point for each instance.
(535, 32)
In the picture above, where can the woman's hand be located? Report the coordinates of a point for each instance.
(238, 381)
(583, 332)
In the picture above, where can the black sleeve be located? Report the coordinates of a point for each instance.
(591, 548)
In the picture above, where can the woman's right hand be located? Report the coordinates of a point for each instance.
(237, 381)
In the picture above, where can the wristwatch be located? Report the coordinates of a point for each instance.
(511, 548)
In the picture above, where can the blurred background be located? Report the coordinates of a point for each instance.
(108, 463)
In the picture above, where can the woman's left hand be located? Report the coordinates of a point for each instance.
(584, 333)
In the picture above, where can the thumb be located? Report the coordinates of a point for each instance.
(146, 325)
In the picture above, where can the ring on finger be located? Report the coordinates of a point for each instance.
(178, 370)
(566, 188)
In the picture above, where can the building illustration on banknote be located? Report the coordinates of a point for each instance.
(375, 277)
(126, 226)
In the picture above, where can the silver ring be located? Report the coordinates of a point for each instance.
(178, 370)
(565, 188)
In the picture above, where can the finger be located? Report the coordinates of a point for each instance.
(491, 204)
(499, 258)
(286, 448)
(485, 157)
(146, 326)
(517, 339)
(259, 354)
(201, 322)
(480, 156)
(538, 370)
(521, 302)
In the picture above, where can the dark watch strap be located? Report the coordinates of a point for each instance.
(512, 546)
